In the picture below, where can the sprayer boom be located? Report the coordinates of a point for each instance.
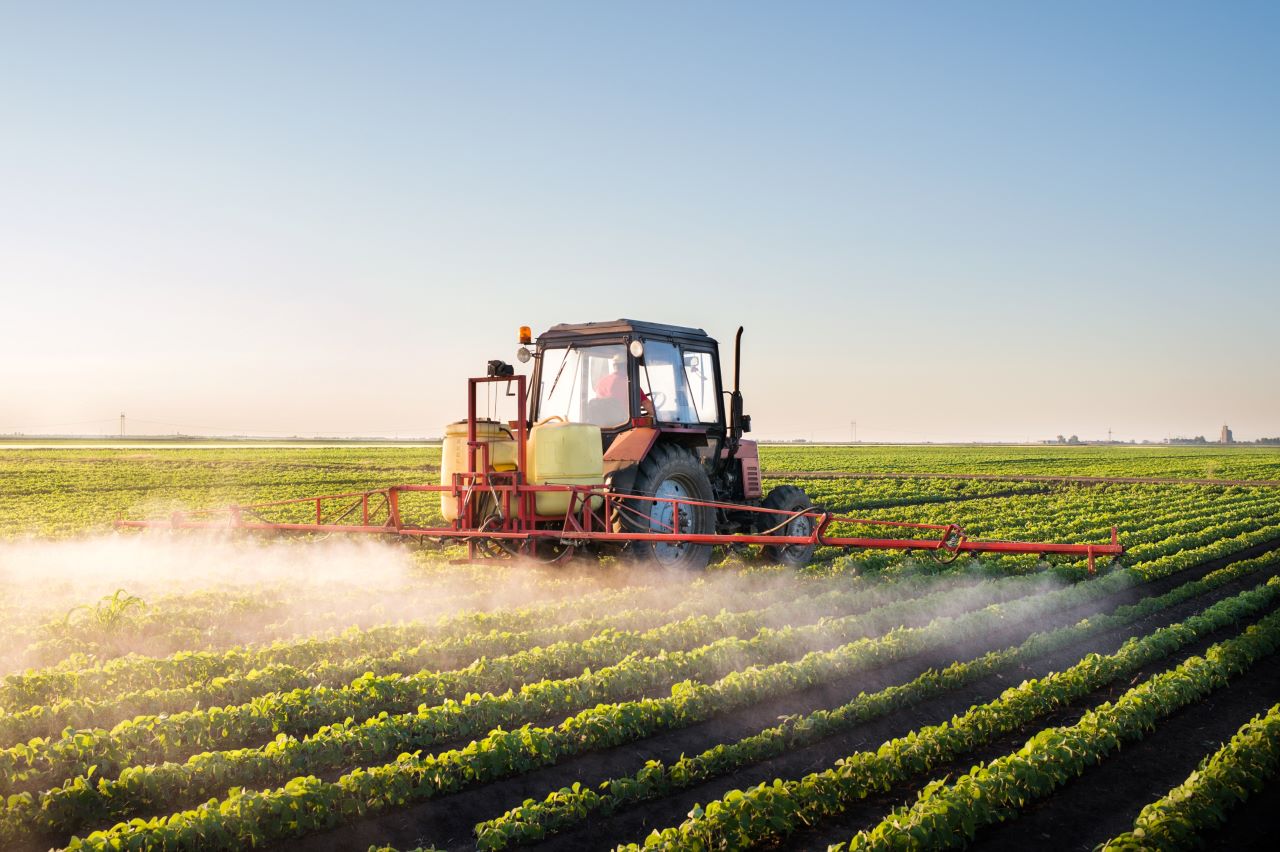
(378, 512)
(626, 448)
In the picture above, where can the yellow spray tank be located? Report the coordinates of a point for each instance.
(562, 453)
(453, 456)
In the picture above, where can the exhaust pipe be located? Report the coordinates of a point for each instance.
(737, 362)
(738, 422)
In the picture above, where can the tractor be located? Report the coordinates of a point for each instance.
(669, 429)
(625, 441)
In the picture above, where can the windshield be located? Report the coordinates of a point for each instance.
(585, 384)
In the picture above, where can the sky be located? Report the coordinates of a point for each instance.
(946, 221)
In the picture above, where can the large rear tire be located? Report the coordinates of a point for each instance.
(789, 499)
(671, 471)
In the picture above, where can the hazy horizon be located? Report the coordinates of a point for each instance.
(993, 222)
(180, 438)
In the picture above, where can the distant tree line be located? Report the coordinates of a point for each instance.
(1197, 440)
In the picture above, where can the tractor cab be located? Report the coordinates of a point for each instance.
(668, 426)
(626, 374)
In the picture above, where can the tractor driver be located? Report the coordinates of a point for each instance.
(613, 384)
(612, 387)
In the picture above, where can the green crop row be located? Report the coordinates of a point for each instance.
(1089, 513)
(1152, 524)
(603, 640)
(151, 738)
(248, 817)
(1229, 776)
(538, 622)
(78, 489)
(183, 668)
(60, 628)
(1053, 517)
(1172, 563)
(1182, 537)
(1073, 513)
(1147, 515)
(68, 491)
(85, 801)
(161, 737)
(1165, 461)
(45, 719)
(64, 686)
(856, 495)
(770, 811)
(947, 815)
(566, 807)
(1077, 511)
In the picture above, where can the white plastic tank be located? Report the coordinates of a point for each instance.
(453, 456)
(563, 453)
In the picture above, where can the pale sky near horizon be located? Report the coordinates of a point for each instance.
(980, 221)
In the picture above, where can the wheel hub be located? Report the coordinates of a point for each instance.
(801, 526)
(662, 519)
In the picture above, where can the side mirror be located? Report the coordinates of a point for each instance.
(746, 423)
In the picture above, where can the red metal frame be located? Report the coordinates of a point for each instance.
(581, 524)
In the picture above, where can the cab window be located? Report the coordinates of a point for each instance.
(679, 385)
(585, 384)
(700, 377)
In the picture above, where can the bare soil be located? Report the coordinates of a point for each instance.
(1105, 800)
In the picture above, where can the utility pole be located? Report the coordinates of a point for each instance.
(1108, 434)
(121, 424)
(853, 430)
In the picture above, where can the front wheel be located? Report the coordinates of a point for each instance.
(792, 500)
(674, 473)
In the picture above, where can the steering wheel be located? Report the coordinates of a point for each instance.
(549, 418)
(659, 400)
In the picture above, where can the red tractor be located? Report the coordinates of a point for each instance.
(670, 429)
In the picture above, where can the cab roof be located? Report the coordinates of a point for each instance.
(623, 327)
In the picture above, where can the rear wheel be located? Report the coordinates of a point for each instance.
(789, 499)
(672, 472)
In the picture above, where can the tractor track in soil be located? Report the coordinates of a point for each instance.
(635, 823)
(1085, 811)
(448, 821)
(1107, 799)
(1027, 477)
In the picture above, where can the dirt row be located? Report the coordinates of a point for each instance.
(1253, 824)
(634, 826)
(1106, 799)
(449, 821)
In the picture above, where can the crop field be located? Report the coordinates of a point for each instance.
(209, 691)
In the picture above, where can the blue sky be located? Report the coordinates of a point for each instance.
(968, 221)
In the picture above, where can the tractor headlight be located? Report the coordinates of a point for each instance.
(637, 348)
(523, 355)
